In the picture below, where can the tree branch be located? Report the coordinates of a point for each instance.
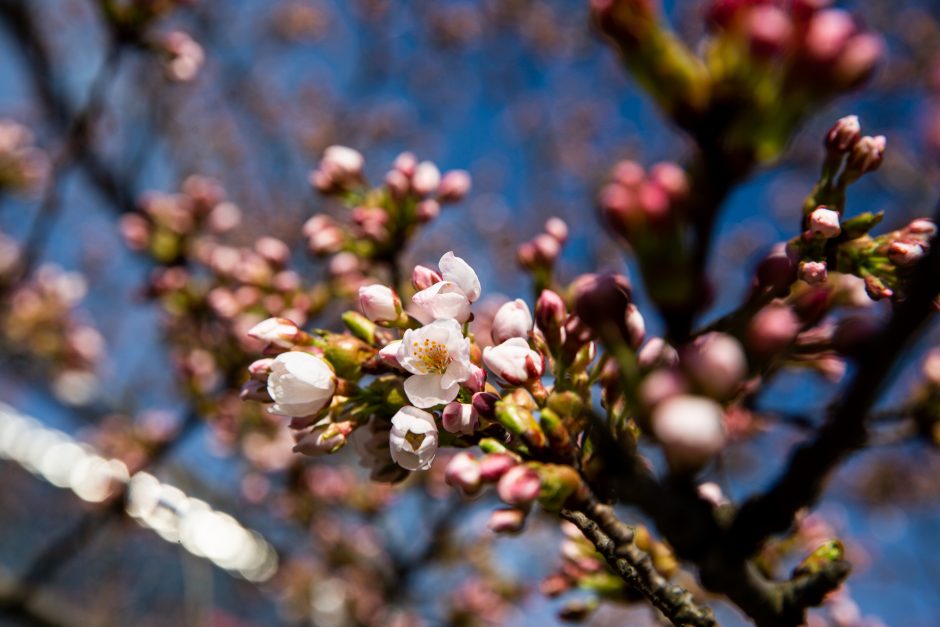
(614, 540)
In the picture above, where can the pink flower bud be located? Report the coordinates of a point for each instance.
(922, 226)
(858, 60)
(514, 361)
(324, 438)
(324, 236)
(495, 465)
(601, 302)
(769, 30)
(423, 277)
(379, 303)
(654, 203)
(511, 320)
(426, 178)
(844, 134)
(827, 35)
(519, 486)
(280, 332)
(389, 353)
(454, 186)
(671, 178)
(485, 403)
(824, 222)
(813, 272)
(476, 381)
(260, 369)
(225, 216)
(551, 313)
(546, 248)
(136, 231)
(427, 210)
(657, 354)
(525, 255)
(463, 473)
(691, 431)
(459, 418)
(772, 330)
(660, 385)
(397, 183)
(905, 254)
(273, 250)
(777, 271)
(343, 162)
(507, 521)
(636, 327)
(866, 155)
(255, 390)
(716, 363)
(853, 334)
(557, 228)
(628, 173)
(406, 163)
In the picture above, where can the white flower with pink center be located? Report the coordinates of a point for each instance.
(438, 357)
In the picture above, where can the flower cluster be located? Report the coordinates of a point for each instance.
(832, 242)
(381, 219)
(23, 166)
(38, 318)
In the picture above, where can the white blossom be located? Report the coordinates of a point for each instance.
(438, 356)
(301, 384)
(413, 438)
(458, 271)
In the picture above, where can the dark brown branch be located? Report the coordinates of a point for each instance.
(614, 540)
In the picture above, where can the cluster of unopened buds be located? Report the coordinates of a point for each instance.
(382, 218)
(820, 44)
(38, 316)
(23, 166)
(830, 241)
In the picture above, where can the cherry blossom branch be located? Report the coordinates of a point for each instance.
(845, 430)
(614, 540)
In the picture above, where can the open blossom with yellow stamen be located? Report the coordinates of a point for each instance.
(438, 356)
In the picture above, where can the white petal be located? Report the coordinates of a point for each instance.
(456, 372)
(443, 300)
(455, 269)
(426, 390)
